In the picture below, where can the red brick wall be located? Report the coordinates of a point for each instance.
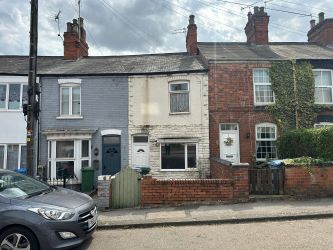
(298, 181)
(231, 101)
(239, 175)
(155, 192)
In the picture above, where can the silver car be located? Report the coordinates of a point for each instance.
(34, 215)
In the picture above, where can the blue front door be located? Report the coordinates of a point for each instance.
(111, 155)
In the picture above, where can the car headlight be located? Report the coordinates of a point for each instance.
(53, 214)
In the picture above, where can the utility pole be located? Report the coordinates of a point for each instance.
(31, 112)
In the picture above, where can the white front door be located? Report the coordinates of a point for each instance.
(140, 156)
(229, 142)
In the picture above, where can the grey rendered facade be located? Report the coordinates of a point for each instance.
(104, 107)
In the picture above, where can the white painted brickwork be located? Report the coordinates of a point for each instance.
(149, 114)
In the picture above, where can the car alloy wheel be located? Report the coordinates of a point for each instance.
(18, 238)
(15, 241)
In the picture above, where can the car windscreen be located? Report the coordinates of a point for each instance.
(13, 185)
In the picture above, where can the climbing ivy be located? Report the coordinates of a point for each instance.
(293, 85)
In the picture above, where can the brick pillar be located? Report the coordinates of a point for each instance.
(104, 191)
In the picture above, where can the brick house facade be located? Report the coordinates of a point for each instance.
(239, 87)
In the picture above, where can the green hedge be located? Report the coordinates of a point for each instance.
(314, 142)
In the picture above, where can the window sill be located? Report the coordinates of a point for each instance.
(69, 117)
(180, 170)
(11, 110)
(180, 113)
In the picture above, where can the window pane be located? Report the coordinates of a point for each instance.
(179, 102)
(65, 149)
(261, 76)
(3, 89)
(111, 139)
(85, 164)
(142, 139)
(2, 156)
(225, 127)
(326, 78)
(264, 94)
(266, 133)
(65, 168)
(76, 101)
(65, 101)
(173, 156)
(179, 87)
(12, 156)
(85, 148)
(14, 96)
(23, 157)
(323, 95)
(25, 94)
(266, 150)
(191, 156)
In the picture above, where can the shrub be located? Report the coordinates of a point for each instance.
(314, 142)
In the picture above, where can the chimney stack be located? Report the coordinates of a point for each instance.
(192, 37)
(256, 28)
(322, 32)
(75, 45)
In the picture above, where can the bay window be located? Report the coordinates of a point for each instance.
(68, 157)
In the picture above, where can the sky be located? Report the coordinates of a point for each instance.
(118, 27)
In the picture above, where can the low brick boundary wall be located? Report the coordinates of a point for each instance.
(237, 173)
(298, 181)
(158, 192)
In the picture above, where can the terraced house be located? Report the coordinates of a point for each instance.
(240, 88)
(115, 111)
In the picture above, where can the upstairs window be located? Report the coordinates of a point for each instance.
(179, 97)
(13, 95)
(70, 97)
(323, 86)
(263, 93)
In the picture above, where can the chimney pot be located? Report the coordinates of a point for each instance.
(81, 22)
(256, 10)
(69, 27)
(74, 21)
(312, 23)
(249, 15)
(321, 16)
(191, 19)
(262, 10)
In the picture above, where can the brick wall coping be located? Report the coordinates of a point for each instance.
(299, 166)
(230, 164)
(186, 181)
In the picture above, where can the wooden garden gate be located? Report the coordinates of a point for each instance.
(126, 189)
(266, 181)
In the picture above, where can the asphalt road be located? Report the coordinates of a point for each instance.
(301, 234)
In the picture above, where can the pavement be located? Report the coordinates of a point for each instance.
(196, 214)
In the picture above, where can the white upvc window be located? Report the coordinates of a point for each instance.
(323, 86)
(263, 93)
(70, 98)
(179, 156)
(13, 95)
(266, 136)
(179, 96)
(68, 157)
(13, 156)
